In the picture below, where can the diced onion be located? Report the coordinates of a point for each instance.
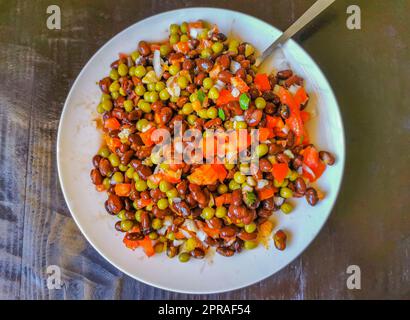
(278, 201)
(235, 66)
(289, 153)
(194, 32)
(262, 183)
(293, 88)
(156, 62)
(235, 92)
(185, 233)
(201, 235)
(219, 85)
(190, 225)
(306, 168)
(238, 118)
(177, 243)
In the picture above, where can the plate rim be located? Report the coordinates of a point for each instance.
(341, 159)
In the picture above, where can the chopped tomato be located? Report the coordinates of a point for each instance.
(123, 55)
(274, 122)
(262, 82)
(238, 83)
(265, 228)
(225, 198)
(301, 96)
(147, 246)
(122, 189)
(266, 192)
(225, 96)
(172, 176)
(207, 174)
(213, 233)
(280, 171)
(112, 124)
(112, 143)
(313, 168)
(182, 47)
(146, 137)
(305, 115)
(265, 134)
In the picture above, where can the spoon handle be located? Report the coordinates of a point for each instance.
(308, 16)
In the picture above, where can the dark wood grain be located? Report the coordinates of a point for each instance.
(369, 70)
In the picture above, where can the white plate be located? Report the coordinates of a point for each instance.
(78, 140)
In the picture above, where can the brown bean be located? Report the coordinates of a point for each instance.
(215, 223)
(293, 80)
(297, 162)
(130, 215)
(245, 236)
(275, 148)
(182, 187)
(235, 108)
(164, 115)
(300, 185)
(228, 231)
(241, 73)
(117, 226)
(327, 158)
(290, 140)
(119, 113)
(284, 74)
(143, 48)
(254, 92)
(126, 157)
(198, 253)
(237, 212)
(265, 165)
(279, 238)
(213, 124)
(105, 167)
(237, 197)
(264, 213)
(145, 220)
(188, 64)
(225, 76)
(282, 158)
(181, 208)
(224, 61)
(105, 84)
(311, 196)
(96, 177)
(144, 171)
(133, 236)
(157, 194)
(204, 65)
(135, 115)
(250, 215)
(253, 116)
(225, 252)
(284, 111)
(268, 204)
(172, 251)
(157, 105)
(198, 194)
(191, 88)
(96, 160)
(159, 213)
(199, 78)
(114, 203)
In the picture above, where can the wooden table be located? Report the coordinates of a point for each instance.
(369, 70)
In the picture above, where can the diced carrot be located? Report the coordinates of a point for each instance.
(301, 96)
(305, 115)
(112, 124)
(123, 55)
(204, 175)
(312, 161)
(225, 198)
(274, 122)
(146, 137)
(136, 81)
(172, 176)
(266, 193)
(182, 47)
(213, 233)
(100, 187)
(147, 246)
(122, 189)
(265, 134)
(225, 96)
(280, 171)
(112, 143)
(179, 235)
(238, 83)
(262, 82)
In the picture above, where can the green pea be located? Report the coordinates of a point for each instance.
(139, 90)
(100, 108)
(162, 204)
(249, 50)
(233, 185)
(182, 82)
(220, 212)
(126, 225)
(106, 183)
(193, 97)
(249, 228)
(206, 53)
(114, 74)
(129, 172)
(151, 86)
(135, 55)
(203, 34)
(173, 28)
(164, 94)
(153, 235)
(222, 188)
(159, 86)
(261, 150)
(122, 167)
(145, 107)
(114, 160)
(213, 93)
(115, 95)
(140, 71)
(192, 119)
(293, 175)
(187, 108)
(229, 166)
(156, 224)
(128, 105)
(241, 125)
(190, 244)
(217, 47)
(154, 97)
(173, 39)
(286, 208)
(184, 38)
(115, 86)
(141, 185)
(164, 186)
(208, 213)
(174, 69)
(184, 27)
(104, 152)
(159, 247)
(207, 83)
(118, 177)
(131, 71)
(285, 192)
(239, 177)
(123, 70)
(164, 50)
(184, 257)
(105, 96)
(136, 177)
(151, 185)
(141, 124)
(172, 193)
(249, 245)
(212, 113)
(233, 44)
(202, 113)
(138, 214)
(171, 236)
(121, 215)
(260, 103)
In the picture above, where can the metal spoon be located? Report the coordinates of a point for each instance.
(308, 16)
